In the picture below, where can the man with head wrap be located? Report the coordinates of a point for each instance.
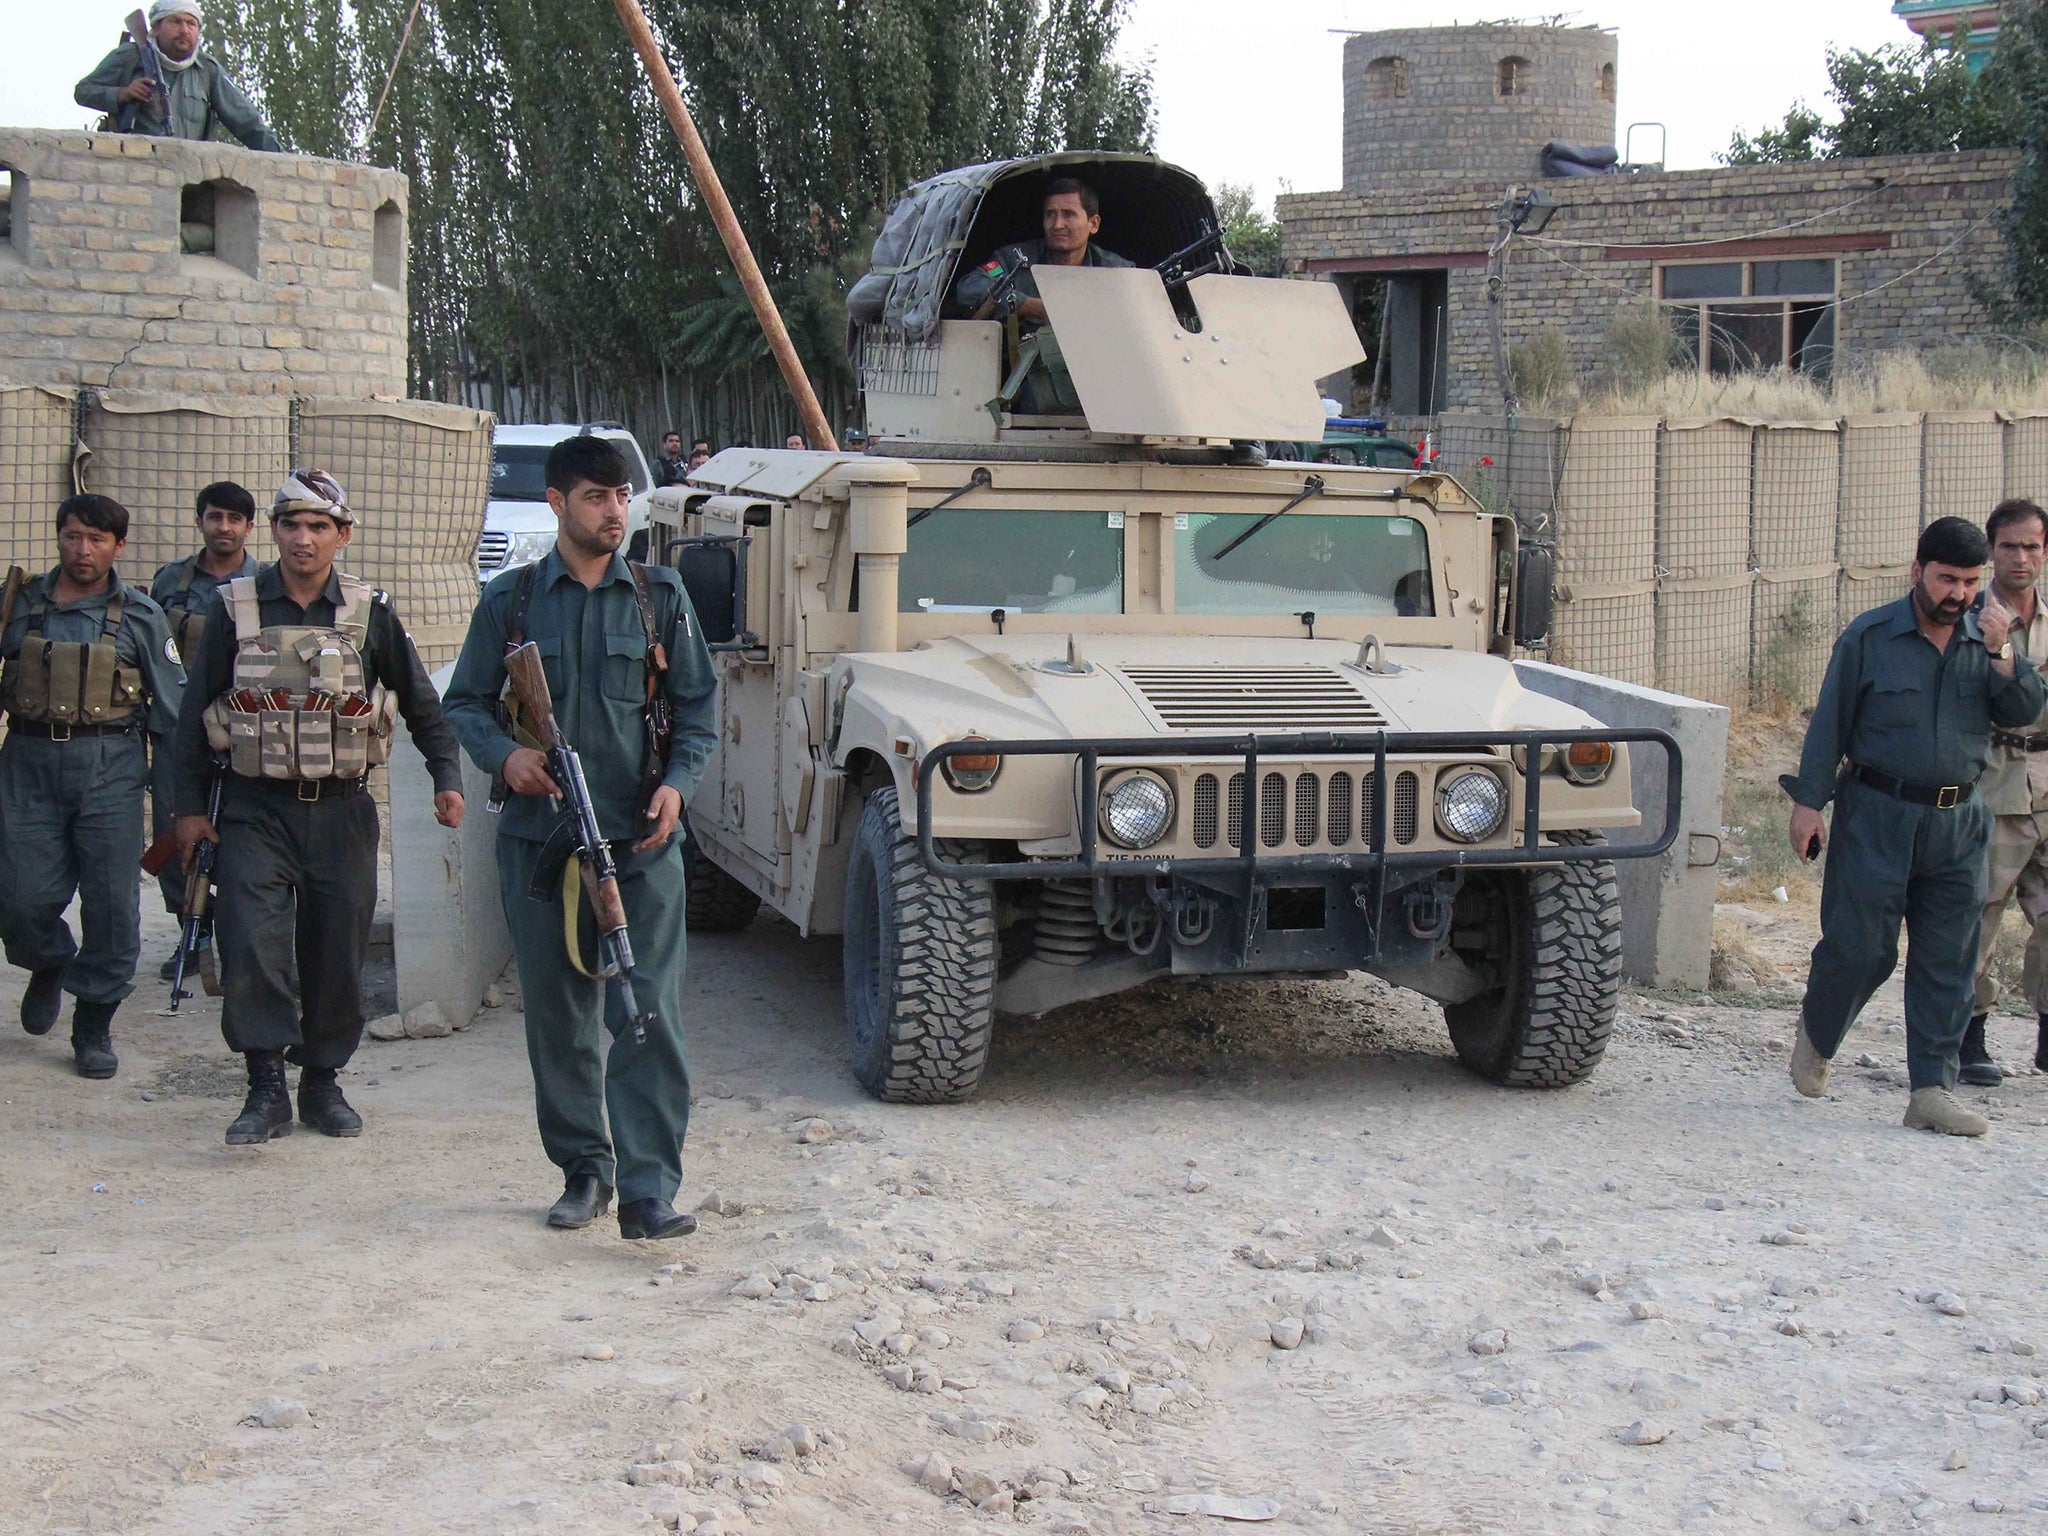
(202, 97)
(297, 674)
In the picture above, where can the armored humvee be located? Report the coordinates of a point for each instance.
(1032, 708)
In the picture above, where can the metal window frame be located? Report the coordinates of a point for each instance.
(1255, 865)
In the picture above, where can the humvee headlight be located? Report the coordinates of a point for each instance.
(1137, 810)
(971, 771)
(1470, 806)
(1587, 762)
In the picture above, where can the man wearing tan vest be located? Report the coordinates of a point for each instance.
(89, 670)
(298, 674)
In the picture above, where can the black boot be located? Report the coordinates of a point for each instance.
(1978, 1069)
(92, 1039)
(585, 1197)
(267, 1112)
(654, 1218)
(170, 967)
(43, 1000)
(321, 1106)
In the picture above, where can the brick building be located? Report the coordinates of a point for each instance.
(130, 262)
(1757, 266)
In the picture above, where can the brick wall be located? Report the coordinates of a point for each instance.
(1928, 222)
(1424, 103)
(96, 290)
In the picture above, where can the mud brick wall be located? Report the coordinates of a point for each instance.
(1908, 234)
(303, 294)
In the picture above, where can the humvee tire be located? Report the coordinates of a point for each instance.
(714, 902)
(920, 965)
(1559, 932)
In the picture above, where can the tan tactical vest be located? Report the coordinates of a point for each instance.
(68, 682)
(298, 708)
(187, 622)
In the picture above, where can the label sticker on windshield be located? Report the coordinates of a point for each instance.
(1180, 522)
(1116, 519)
(1401, 527)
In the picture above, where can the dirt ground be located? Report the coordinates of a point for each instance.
(1677, 1297)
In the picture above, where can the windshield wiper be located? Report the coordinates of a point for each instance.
(981, 479)
(1312, 486)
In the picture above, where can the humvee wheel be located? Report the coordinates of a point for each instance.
(920, 965)
(1554, 937)
(714, 902)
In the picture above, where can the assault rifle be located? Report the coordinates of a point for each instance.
(153, 67)
(198, 904)
(576, 835)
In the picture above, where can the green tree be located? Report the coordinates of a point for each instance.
(1248, 229)
(1900, 100)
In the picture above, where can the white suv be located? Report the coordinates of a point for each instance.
(518, 526)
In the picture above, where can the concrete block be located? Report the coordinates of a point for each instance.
(1667, 902)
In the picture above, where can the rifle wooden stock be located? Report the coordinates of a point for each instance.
(530, 681)
(607, 905)
(160, 853)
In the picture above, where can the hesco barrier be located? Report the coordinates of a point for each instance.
(417, 473)
(1742, 546)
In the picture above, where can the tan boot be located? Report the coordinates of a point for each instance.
(1809, 1068)
(1936, 1109)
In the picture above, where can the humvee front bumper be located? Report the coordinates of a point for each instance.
(1263, 902)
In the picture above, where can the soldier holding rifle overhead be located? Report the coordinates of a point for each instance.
(89, 667)
(299, 672)
(616, 691)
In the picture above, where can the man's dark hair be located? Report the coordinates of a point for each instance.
(101, 512)
(585, 457)
(1952, 541)
(229, 497)
(2016, 509)
(671, 433)
(1061, 186)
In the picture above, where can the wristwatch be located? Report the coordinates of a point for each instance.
(2005, 651)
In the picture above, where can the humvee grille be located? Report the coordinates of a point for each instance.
(1224, 699)
(1205, 811)
(1298, 806)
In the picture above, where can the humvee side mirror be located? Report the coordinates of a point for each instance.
(1535, 572)
(714, 572)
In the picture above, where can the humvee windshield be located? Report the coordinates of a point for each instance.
(1333, 565)
(1024, 561)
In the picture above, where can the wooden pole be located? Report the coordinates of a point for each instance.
(817, 430)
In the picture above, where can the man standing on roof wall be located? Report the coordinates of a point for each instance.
(202, 95)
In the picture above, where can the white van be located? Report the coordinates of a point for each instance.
(518, 526)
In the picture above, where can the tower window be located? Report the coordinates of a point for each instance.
(1607, 82)
(1386, 79)
(1512, 77)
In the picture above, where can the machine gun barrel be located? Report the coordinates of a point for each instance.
(153, 66)
(198, 891)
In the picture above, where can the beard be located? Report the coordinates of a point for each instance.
(1946, 610)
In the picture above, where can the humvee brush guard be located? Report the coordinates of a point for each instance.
(1035, 708)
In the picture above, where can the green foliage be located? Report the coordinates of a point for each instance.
(2021, 65)
(1899, 100)
(558, 247)
(1641, 346)
(1248, 229)
(1541, 367)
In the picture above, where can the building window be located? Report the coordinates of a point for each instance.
(217, 220)
(387, 257)
(1386, 79)
(1512, 77)
(1607, 82)
(13, 210)
(1745, 316)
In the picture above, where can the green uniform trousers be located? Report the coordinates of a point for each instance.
(162, 817)
(2018, 868)
(1890, 861)
(71, 823)
(297, 889)
(576, 1080)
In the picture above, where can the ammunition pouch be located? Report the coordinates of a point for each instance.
(69, 682)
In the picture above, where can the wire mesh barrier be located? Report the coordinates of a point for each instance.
(418, 475)
(154, 453)
(1507, 465)
(1878, 515)
(35, 472)
(2026, 454)
(1704, 483)
(1606, 523)
(1794, 495)
(1963, 467)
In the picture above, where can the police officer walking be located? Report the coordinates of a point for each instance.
(88, 669)
(1898, 739)
(299, 671)
(227, 516)
(619, 641)
(2015, 790)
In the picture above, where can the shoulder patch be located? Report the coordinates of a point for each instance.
(993, 267)
(171, 651)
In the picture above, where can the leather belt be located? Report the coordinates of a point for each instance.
(62, 730)
(1944, 797)
(2018, 743)
(307, 790)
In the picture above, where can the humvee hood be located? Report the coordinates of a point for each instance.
(1139, 685)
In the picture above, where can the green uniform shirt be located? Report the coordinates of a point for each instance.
(1894, 703)
(144, 641)
(594, 649)
(201, 97)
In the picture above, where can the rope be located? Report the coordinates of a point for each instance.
(1752, 234)
(403, 38)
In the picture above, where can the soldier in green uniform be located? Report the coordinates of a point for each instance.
(227, 516)
(618, 641)
(202, 96)
(89, 668)
(299, 672)
(1898, 739)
